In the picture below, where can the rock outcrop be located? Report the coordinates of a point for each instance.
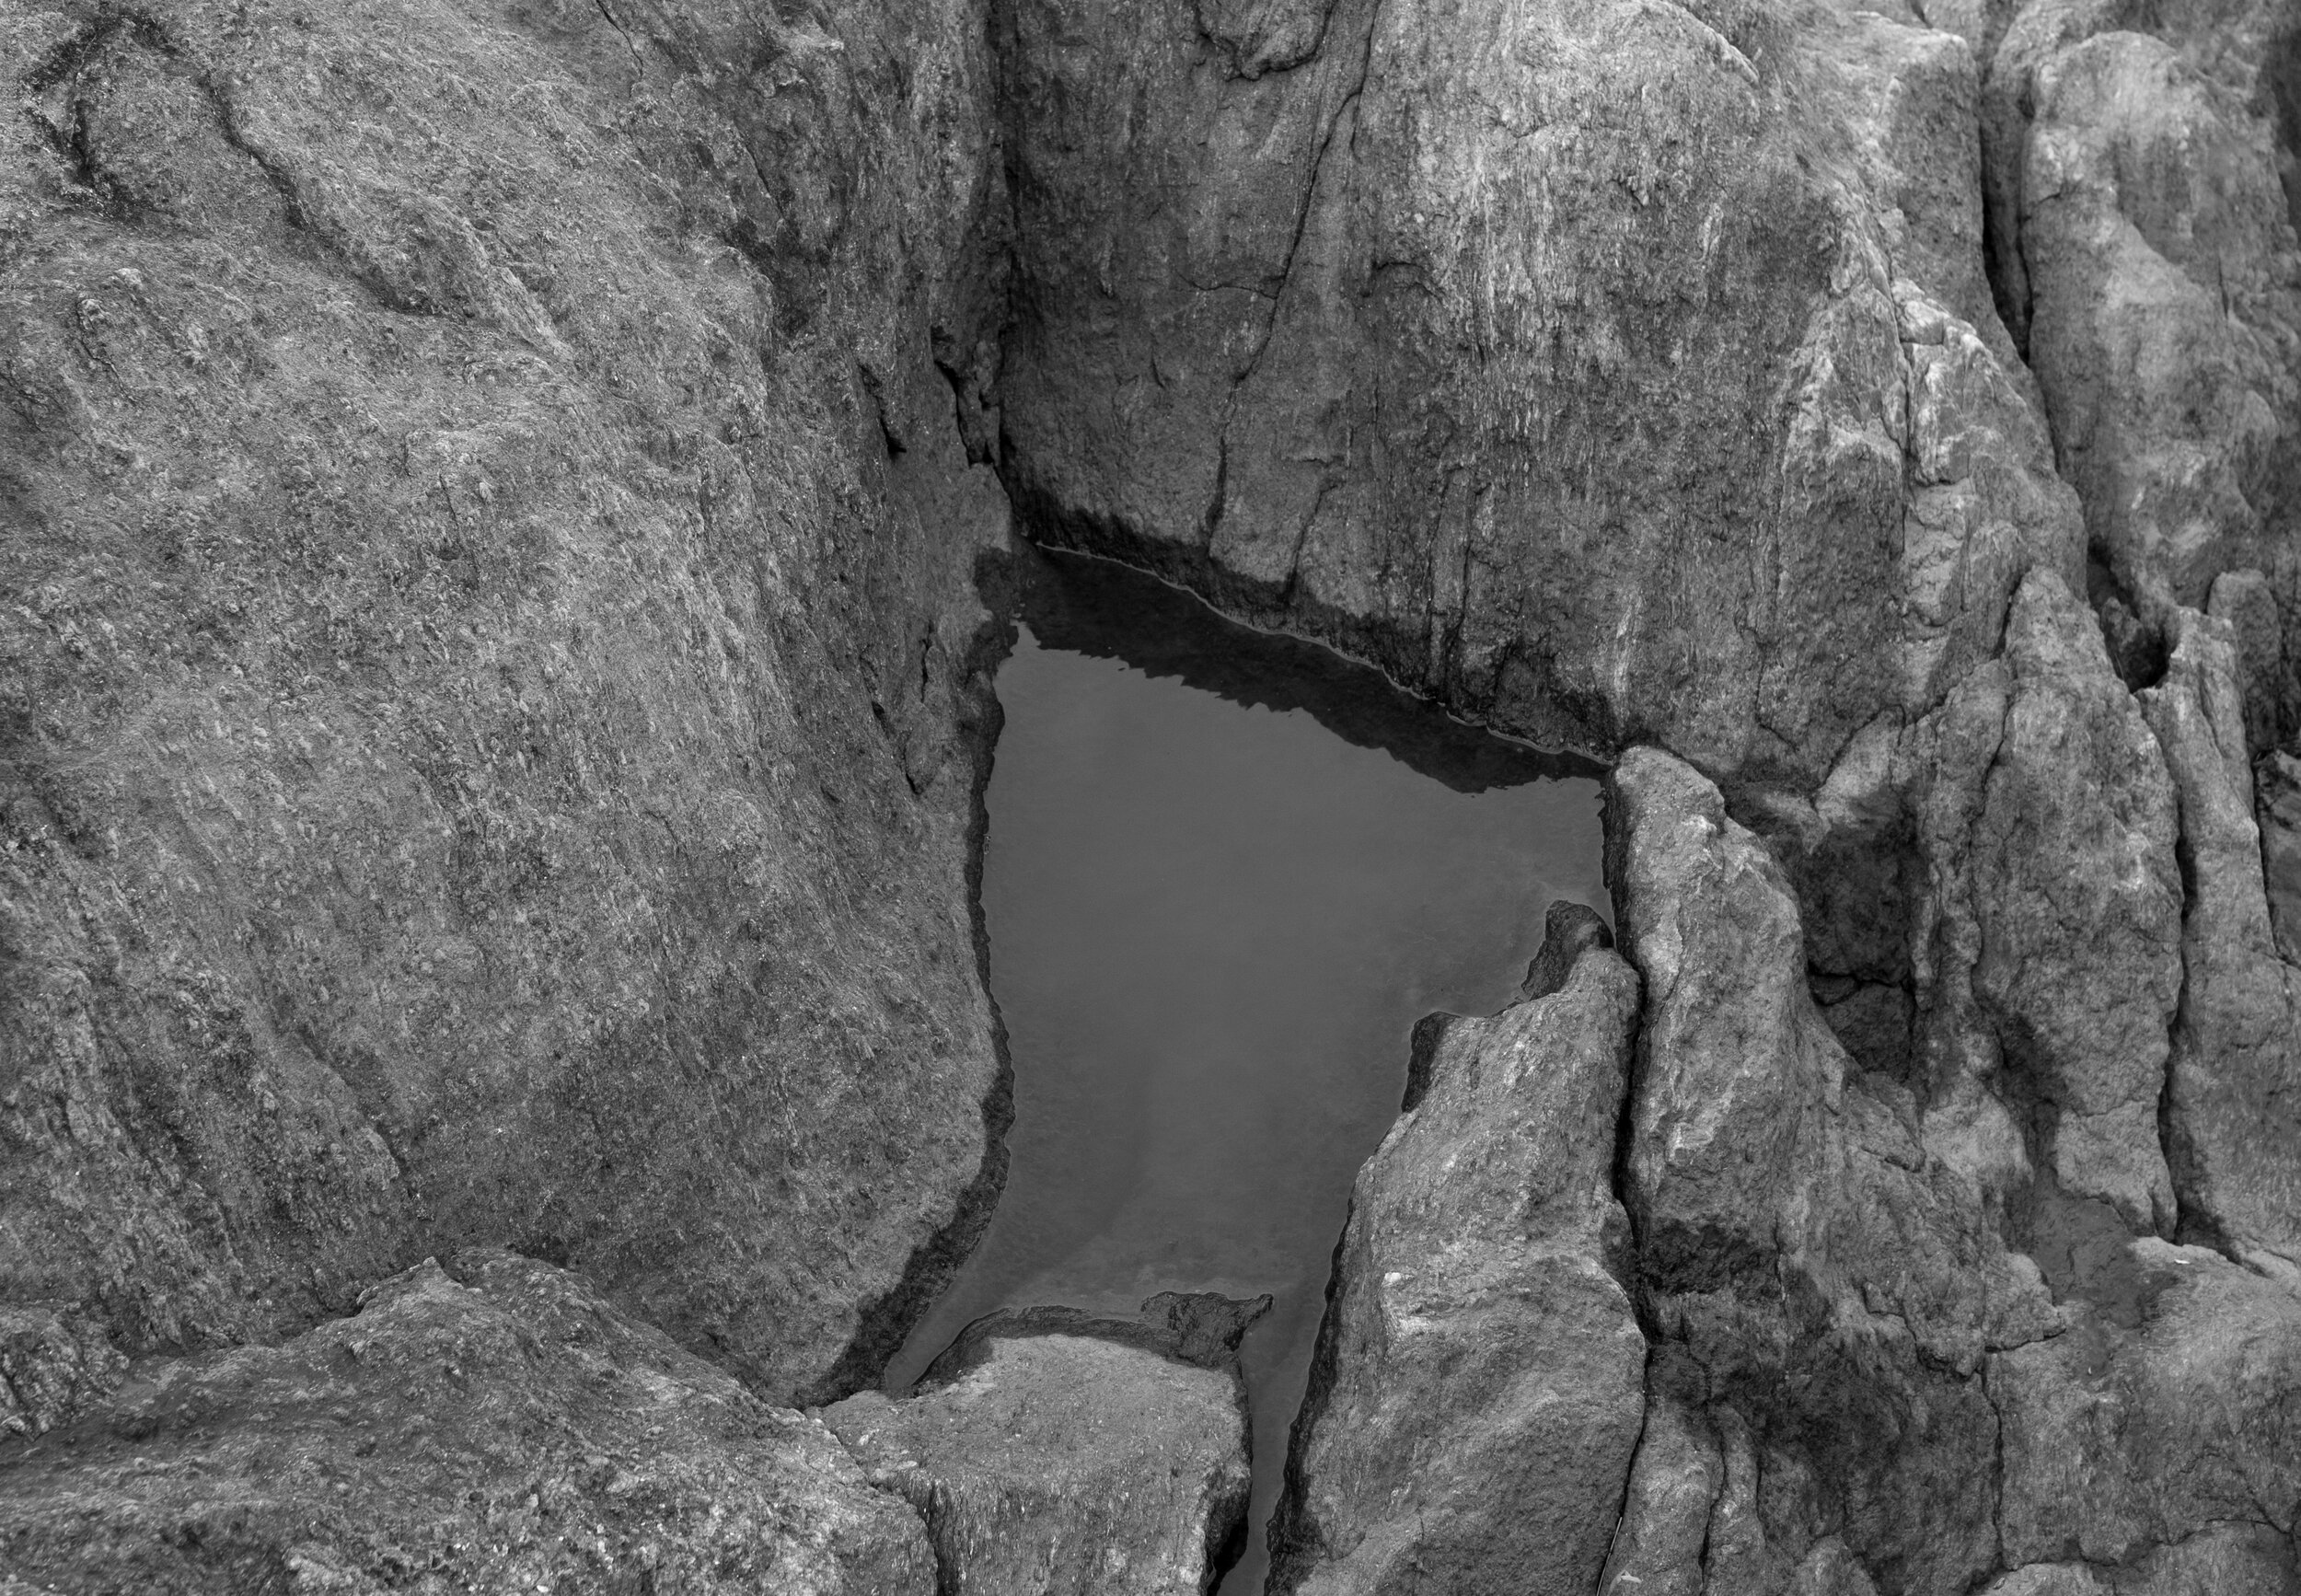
(491, 689)
(1532, 354)
(489, 1424)
(1479, 1383)
(493, 699)
(1063, 1463)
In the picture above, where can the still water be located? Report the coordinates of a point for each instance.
(1225, 875)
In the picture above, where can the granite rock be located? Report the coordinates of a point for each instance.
(1478, 1386)
(491, 691)
(1063, 1464)
(492, 1424)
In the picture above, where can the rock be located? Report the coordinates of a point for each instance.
(1065, 1464)
(2145, 1426)
(1665, 1519)
(1201, 1329)
(2147, 255)
(491, 1424)
(54, 1362)
(2233, 1129)
(1478, 1387)
(1399, 348)
(1816, 1270)
(2078, 905)
(2277, 812)
(492, 687)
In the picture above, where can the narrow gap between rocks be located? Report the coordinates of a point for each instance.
(1226, 873)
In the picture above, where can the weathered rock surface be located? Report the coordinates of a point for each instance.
(1827, 1286)
(1478, 1388)
(1531, 352)
(2145, 252)
(2164, 1416)
(494, 1425)
(1065, 1464)
(490, 680)
(2233, 1121)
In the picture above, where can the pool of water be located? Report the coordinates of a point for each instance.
(1225, 873)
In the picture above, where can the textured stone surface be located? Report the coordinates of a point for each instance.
(1478, 1387)
(494, 1424)
(2078, 903)
(1827, 1284)
(2233, 1124)
(1064, 1465)
(490, 656)
(2146, 253)
(2147, 1425)
(1529, 352)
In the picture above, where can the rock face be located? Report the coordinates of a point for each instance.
(1528, 352)
(492, 694)
(2145, 253)
(1478, 1388)
(1065, 1464)
(492, 1425)
(2233, 1126)
(493, 700)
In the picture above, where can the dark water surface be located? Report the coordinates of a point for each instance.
(1225, 875)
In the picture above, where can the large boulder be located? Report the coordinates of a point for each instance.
(1053, 1462)
(489, 1424)
(490, 694)
(1479, 1383)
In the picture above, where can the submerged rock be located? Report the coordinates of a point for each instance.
(491, 1424)
(1052, 1460)
(1478, 1386)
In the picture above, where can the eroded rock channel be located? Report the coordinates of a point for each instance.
(1225, 875)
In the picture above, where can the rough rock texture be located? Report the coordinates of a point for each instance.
(2233, 1104)
(489, 679)
(1825, 1286)
(2168, 1417)
(493, 701)
(1612, 370)
(1201, 1329)
(1479, 1383)
(1064, 1465)
(2144, 251)
(494, 1424)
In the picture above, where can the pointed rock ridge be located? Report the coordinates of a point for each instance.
(1478, 1387)
(2233, 1121)
(2144, 251)
(1825, 1286)
(493, 1424)
(1063, 1455)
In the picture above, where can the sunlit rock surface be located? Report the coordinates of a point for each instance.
(1067, 1464)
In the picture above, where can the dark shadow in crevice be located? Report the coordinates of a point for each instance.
(1088, 604)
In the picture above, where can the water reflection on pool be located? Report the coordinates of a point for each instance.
(1225, 873)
